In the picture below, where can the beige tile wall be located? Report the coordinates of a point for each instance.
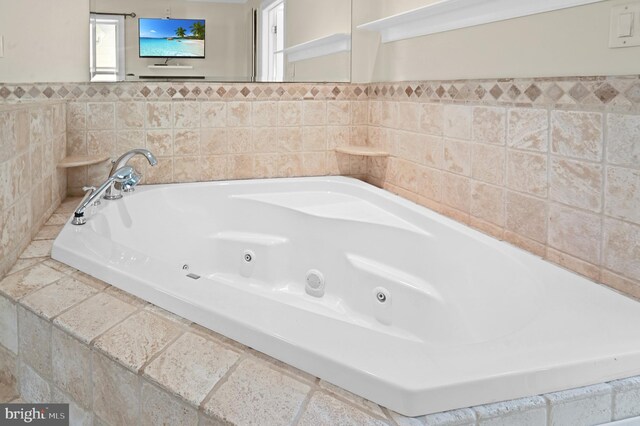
(203, 140)
(558, 178)
(32, 141)
(203, 133)
(551, 165)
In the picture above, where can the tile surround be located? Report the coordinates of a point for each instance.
(551, 165)
(53, 299)
(8, 370)
(201, 140)
(324, 409)
(191, 366)
(71, 366)
(593, 405)
(92, 318)
(561, 155)
(116, 399)
(135, 341)
(32, 141)
(158, 407)
(32, 387)
(256, 393)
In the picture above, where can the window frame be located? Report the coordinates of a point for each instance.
(118, 72)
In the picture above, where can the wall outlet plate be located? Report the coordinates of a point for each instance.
(624, 25)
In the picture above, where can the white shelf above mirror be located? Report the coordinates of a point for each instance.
(446, 15)
(334, 43)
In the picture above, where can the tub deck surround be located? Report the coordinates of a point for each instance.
(32, 141)
(203, 378)
(441, 348)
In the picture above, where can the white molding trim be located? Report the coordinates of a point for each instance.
(334, 43)
(170, 67)
(220, 1)
(266, 4)
(446, 15)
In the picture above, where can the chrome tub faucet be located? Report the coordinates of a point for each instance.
(115, 189)
(125, 176)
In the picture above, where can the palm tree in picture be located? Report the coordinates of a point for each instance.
(197, 29)
(181, 32)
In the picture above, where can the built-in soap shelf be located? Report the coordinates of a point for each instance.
(446, 15)
(365, 151)
(171, 67)
(323, 46)
(82, 160)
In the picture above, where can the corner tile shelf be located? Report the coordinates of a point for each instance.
(81, 160)
(334, 43)
(446, 15)
(366, 151)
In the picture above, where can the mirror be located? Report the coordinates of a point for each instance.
(221, 40)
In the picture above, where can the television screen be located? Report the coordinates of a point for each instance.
(171, 38)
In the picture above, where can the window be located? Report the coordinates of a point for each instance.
(272, 41)
(106, 33)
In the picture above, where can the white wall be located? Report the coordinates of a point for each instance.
(44, 40)
(569, 42)
(307, 20)
(310, 19)
(365, 45)
(334, 67)
(53, 46)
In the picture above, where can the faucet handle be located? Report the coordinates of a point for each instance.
(89, 190)
(127, 187)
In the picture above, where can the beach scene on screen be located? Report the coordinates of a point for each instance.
(172, 37)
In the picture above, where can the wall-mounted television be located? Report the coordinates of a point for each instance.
(171, 38)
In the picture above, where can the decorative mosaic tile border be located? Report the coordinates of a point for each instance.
(180, 91)
(623, 91)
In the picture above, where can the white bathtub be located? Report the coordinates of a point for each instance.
(467, 319)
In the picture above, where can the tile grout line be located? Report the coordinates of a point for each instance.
(19, 361)
(93, 341)
(547, 243)
(352, 404)
(263, 357)
(547, 404)
(304, 406)
(603, 194)
(160, 352)
(219, 383)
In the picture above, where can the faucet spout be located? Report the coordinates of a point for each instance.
(114, 189)
(124, 158)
